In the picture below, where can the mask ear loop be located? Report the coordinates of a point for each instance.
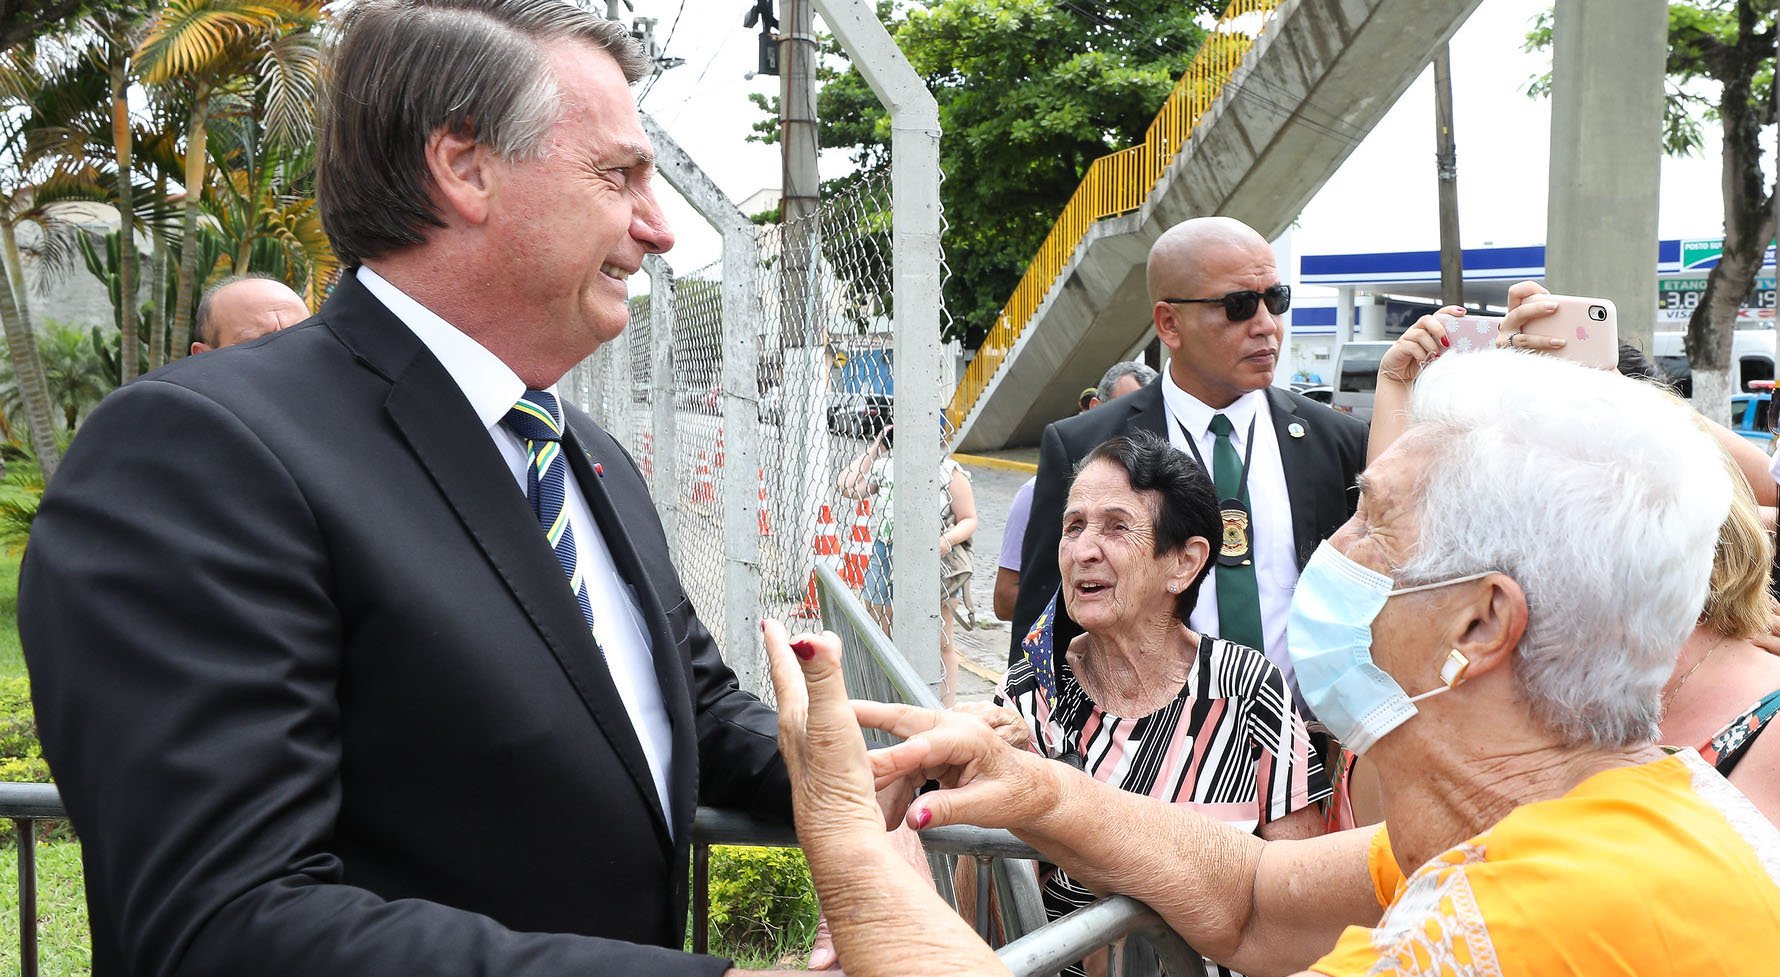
(1452, 672)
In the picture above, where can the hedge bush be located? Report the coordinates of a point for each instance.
(21, 758)
(763, 904)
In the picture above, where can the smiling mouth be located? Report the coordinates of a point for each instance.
(614, 271)
(1090, 589)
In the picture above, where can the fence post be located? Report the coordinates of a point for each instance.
(916, 278)
(664, 457)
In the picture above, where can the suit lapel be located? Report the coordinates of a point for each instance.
(1299, 463)
(429, 410)
(613, 515)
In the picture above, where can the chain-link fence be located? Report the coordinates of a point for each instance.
(816, 413)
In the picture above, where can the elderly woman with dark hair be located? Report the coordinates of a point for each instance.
(1494, 627)
(1138, 700)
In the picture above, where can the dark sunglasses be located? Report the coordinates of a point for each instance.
(1241, 306)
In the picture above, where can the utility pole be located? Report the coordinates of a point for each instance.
(803, 359)
(612, 10)
(1446, 163)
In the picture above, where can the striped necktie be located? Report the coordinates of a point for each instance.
(537, 419)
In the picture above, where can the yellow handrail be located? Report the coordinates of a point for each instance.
(1116, 184)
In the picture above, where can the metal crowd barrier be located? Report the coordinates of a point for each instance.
(1042, 951)
(874, 670)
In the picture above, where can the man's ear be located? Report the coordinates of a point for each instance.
(1497, 620)
(1168, 325)
(464, 175)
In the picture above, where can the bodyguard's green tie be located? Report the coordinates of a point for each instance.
(1239, 599)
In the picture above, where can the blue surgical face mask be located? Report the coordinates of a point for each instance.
(1329, 636)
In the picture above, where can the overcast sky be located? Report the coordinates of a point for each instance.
(1382, 199)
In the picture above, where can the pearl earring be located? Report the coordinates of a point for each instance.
(1172, 587)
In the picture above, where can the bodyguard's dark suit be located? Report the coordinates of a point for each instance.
(319, 698)
(1320, 470)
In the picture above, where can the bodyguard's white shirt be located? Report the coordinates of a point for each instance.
(492, 389)
(1270, 512)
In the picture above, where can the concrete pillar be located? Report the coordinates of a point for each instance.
(1606, 155)
(1369, 325)
(1344, 314)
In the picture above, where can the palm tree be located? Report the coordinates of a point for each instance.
(18, 79)
(75, 372)
(265, 49)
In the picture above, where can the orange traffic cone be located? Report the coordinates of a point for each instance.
(705, 489)
(857, 554)
(827, 548)
(766, 528)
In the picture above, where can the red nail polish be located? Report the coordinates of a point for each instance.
(922, 818)
(804, 648)
(1445, 342)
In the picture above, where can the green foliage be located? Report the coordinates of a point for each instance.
(1030, 92)
(20, 493)
(1701, 34)
(763, 904)
(21, 757)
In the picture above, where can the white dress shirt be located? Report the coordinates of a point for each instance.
(492, 389)
(1270, 512)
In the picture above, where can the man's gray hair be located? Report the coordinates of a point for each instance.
(1600, 496)
(201, 320)
(405, 69)
(1128, 368)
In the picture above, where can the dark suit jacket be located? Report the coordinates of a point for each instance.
(320, 701)
(1320, 470)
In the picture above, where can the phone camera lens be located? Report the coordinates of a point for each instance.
(1597, 313)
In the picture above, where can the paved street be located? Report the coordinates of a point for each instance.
(984, 649)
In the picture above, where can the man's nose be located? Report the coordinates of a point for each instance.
(650, 226)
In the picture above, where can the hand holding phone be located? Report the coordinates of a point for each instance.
(1470, 333)
(1589, 328)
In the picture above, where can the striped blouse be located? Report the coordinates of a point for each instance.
(1229, 745)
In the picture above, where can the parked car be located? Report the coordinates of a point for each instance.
(841, 405)
(1356, 377)
(860, 415)
(1322, 395)
(1750, 418)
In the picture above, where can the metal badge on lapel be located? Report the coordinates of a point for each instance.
(1234, 550)
(1295, 429)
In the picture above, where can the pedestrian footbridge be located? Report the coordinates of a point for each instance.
(1274, 101)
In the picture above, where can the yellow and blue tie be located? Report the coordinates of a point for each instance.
(537, 420)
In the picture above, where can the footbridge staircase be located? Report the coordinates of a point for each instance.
(1277, 97)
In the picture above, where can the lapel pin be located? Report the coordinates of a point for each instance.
(599, 469)
(1295, 429)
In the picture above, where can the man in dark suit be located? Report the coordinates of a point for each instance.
(353, 652)
(1284, 465)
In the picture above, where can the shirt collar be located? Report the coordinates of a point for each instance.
(1192, 412)
(491, 387)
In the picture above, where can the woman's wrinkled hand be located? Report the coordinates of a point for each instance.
(985, 781)
(831, 784)
(1006, 723)
(1415, 349)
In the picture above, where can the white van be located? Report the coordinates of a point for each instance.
(1752, 350)
(1356, 377)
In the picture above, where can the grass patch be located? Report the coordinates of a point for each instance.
(64, 944)
(12, 656)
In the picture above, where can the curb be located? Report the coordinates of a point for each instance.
(983, 461)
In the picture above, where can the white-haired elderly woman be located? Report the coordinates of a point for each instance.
(1493, 628)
